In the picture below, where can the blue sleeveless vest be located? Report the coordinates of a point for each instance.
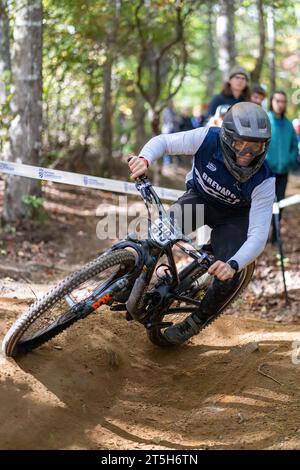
(214, 182)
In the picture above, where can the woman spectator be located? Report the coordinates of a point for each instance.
(235, 90)
(283, 150)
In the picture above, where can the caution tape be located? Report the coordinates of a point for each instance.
(105, 184)
(289, 201)
(77, 179)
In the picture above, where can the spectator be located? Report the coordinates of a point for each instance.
(218, 117)
(170, 124)
(185, 123)
(198, 117)
(258, 94)
(283, 151)
(296, 125)
(235, 90)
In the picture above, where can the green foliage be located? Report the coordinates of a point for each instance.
(286, 261)
(239, 302)
(75, 51)
(5, 111)
(81, 35)
(34, 201)
(8, 229)
(36, 208)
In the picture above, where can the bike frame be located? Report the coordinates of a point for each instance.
(130, 289)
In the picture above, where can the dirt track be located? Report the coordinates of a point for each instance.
(102, 385)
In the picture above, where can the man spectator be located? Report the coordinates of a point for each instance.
(258, 94)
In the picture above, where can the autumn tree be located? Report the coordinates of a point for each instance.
(25, 129)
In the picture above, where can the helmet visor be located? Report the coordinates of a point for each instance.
(243, 147)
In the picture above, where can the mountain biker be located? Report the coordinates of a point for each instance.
(232, 181)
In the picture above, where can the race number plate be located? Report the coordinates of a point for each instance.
(162, 232)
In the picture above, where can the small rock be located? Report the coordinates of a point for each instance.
(279, 318)
(246, 348)
(59, 348)
(156, 440)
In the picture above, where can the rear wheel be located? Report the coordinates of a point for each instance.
(155, 334)
(58, 309)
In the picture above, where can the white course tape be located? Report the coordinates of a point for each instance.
(105, 184)
(289, 201)
(77, 179)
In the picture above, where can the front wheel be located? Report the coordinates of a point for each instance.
(156, 335)
(59, 308)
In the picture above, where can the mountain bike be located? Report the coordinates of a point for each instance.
(129, 277)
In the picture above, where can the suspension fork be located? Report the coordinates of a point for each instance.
(135, 302)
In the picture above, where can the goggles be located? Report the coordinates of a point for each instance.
(242, 147)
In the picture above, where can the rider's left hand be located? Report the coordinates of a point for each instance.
(221, 270)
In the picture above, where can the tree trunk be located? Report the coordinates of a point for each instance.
(25, 129)
(5, 65)
(157, 166)
(226, 37)
(255, 74)
(272, 47)
(155, 123)
(106, 129)
(139, 114)
(106, 132)
(212, 62)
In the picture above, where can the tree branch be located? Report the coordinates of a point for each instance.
(179, 37)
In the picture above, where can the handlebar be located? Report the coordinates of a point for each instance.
(148, 193)
(146, 190)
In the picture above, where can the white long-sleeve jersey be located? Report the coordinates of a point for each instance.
(211, 177)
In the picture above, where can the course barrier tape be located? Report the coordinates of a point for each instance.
(289, 201)
(77, 179)
(105, 184)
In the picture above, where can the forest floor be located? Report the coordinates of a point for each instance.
(103, 385)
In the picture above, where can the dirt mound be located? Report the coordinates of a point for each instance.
(102, 385)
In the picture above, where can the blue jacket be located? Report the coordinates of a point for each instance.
(283, 150)
(217, 100)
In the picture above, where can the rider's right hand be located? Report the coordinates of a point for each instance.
(138, 167)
